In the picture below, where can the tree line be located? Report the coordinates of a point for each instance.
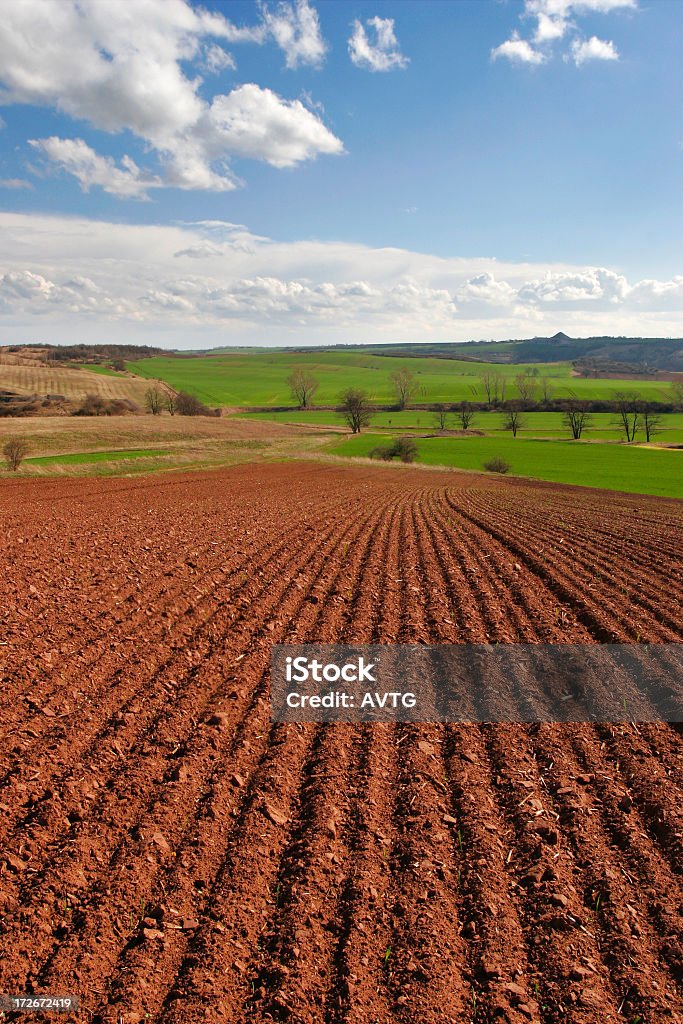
(632, 414)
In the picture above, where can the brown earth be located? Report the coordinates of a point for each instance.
(172, 866)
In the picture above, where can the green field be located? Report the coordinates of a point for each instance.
(76, 458)
(613, 466)
(260, 378)
(98, 368)
(536, 424)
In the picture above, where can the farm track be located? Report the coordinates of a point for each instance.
(172, 866)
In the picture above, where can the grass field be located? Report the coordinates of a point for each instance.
(109, 445)
(616, 467)
(536, 424)
(77, 458)
(257, 378)
(105, 371)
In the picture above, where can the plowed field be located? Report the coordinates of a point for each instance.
(170, 856)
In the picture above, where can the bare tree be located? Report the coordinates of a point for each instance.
(651, 420)
(493, 384)
(627, 406)
(15, 451)
(356, 409)
(441, 417)
(526, 385)
(171, 401)
(513, 419)
(576, 416)
(465, 414)
(303, 386)
(405, 385)
(547, 389)
(154, 400)
(677, 392)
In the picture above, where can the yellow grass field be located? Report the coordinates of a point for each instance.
(73, 384)
(174, 442)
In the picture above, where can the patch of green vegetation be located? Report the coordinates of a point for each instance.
(616, 467)
(112, 456)
(106, 371)
(260, 378)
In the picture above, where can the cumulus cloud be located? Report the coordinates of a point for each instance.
(214, 282)
(517, 50)
(32, 293)
(549, 28)
(484, 291)
(553, 20)
(254, 122)
(592, 285)
(76, 157)
(593, 49)
(130, 75)
(384, 54)
(296, 30)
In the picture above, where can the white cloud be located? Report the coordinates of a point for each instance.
(382, 55)
(484, 291)
(517, 50)
(217, 283)
(15, 183)
(76, 157)
(555, 19)
(130, 76)
(593, 49)
(549, 28)
(296, 30)
(254, 122)
(24, 291)
(216, 59)
(592, 285)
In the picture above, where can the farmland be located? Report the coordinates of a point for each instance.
(171, 856)
(260, 378)
(40, 379)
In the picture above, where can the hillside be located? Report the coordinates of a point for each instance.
(28, 376)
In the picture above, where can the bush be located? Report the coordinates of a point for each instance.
(403, 448)
(188, 405)
(14, 451)
(384, 452)
(497, 465)
(95, 405)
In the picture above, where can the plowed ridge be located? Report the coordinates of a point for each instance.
(171, 856)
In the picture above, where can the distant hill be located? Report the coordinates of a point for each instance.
(640, 355)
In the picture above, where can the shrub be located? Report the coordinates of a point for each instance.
(14, 451)
(95, 405)
(384, 452)
(497, 465)
(188, 405)
(403, 448)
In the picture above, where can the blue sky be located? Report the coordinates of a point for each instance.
(340, 171)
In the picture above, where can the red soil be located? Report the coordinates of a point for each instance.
(169, 870)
